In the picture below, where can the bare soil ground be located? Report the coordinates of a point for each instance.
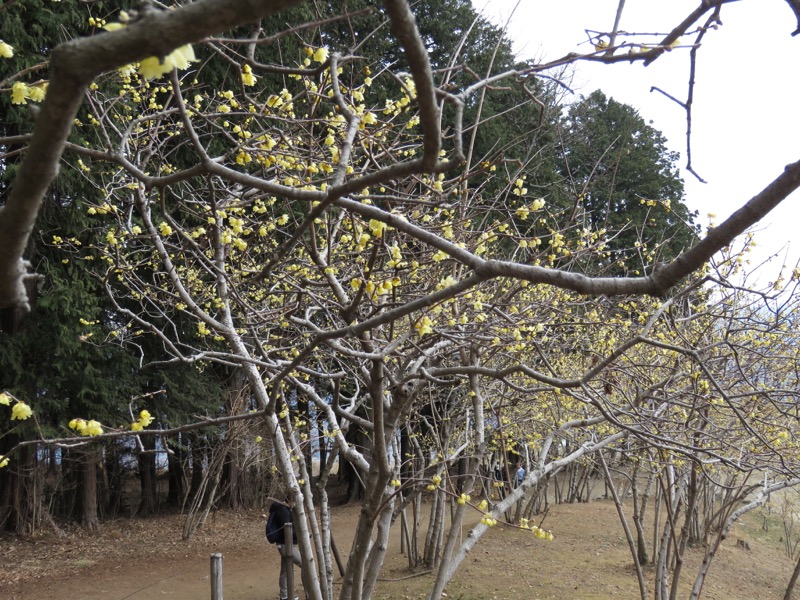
(145, 559)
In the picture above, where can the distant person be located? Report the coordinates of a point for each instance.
(280, 513)
(520, 475)
(500, 481)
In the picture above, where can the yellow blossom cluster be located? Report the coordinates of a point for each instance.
(88, 428)
(537, 531)
(248, 78)
(143, 421)
(424, 326)
(154, 66)
(20, 411)
(436, 480)
(22, 92)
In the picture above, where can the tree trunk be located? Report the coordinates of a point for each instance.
(8, 483)
(355, 487)
(28, 497)
(198, 450)
(231, 478)
(87, 494)
(639, 510)
(680, 547)
(628, 535)
(114, 498)
(176, 476)
(792, 581)
(319, 423)
(52, 462)
(147, 477)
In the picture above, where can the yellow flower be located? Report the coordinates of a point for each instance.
(126, 71)
(77, 424)
(248, 78)
(136, 426)
(377, 227)
(483, 505)
(21, 411)
(19, 93)
(113, 26)
(144, 418)
(182, 58)
(3, 461)
(165, 229)
(153, 67)
(259, 439)
(93, 428)
(321, 55)
(37, 92)
(424, 326)
(5, 399)
(6, 51)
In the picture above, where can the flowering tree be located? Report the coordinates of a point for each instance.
(346, 248)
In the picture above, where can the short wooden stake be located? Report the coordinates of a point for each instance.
(216, 576)
(288, 558)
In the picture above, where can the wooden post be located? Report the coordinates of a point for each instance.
(216, 576)
(288, 558)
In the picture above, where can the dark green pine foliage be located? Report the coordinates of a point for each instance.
(622, 177)
(61, 358)
(43, 350)
(51, 358)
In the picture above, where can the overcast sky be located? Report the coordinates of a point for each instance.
(746, 115)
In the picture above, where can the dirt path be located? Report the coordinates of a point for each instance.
(589, 559)
(146, 560)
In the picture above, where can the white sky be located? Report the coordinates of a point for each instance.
(746, 111)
